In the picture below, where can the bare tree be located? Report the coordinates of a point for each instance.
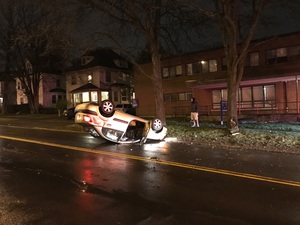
(150, 23)
(38, 37)
(7, 26)
(237, 39)
(237, 22)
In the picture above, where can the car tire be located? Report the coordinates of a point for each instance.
(107, 108)
(157, 125)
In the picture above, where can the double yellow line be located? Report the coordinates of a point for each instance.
(162, 162)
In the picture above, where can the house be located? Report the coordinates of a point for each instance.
(269, 86)
(51, 90)
(101, 74)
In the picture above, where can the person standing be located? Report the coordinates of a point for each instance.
(194, 112)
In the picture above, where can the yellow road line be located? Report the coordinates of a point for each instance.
(163, 162)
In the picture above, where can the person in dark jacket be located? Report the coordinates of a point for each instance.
(194, 112)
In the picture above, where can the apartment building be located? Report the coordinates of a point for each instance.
(269, 85)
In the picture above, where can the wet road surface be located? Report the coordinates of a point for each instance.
(49, 177)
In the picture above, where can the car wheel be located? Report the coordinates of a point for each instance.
(107, 108)
(157, 125)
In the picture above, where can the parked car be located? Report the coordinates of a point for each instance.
(117, 126)
(127, 108)
(69, 113)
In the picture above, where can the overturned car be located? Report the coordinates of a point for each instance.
(117, 126)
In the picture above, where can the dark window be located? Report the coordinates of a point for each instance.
(53, 99)
(193, 68)
(174, 97)
(278, 55)
(107, 77)
(173, 71)
(224, 64)
(73, 79)
(167, 98)
(294, 53)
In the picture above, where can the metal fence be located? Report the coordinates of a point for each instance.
(245, 109)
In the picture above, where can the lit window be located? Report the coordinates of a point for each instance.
(218, 96)
(94, 96)
(184, 96)
(181, 96)
(104, 95)
(189, 69)
(281, 52)
(178, 70)
(77, 98)
(85, 97)
(258, 96)
(90, 78)
(213, 66)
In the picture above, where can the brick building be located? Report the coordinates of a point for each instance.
(269, 86)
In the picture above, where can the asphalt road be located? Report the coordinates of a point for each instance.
(53, 177)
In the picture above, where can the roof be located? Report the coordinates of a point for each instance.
(86, 87)
(102, 57)
(58, 89)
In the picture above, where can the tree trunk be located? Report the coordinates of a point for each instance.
(5, 95)
(157, 86)
(6, 85)
(232, 110)
(33, 102)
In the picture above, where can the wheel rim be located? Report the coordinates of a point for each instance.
(157, 124)
(107, 107)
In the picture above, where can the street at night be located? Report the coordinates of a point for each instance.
(149, 112)
(57, 177)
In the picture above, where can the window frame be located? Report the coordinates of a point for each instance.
(247, 97)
